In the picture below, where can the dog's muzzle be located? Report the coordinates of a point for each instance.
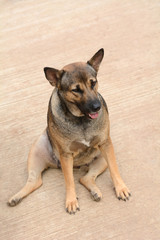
(91, 108)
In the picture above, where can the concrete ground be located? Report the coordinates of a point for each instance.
(39, 33)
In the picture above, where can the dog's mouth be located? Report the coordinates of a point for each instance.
(90, 110)
(93, 115)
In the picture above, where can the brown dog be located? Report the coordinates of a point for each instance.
(77, 134)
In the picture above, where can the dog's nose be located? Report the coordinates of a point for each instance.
(96, 105)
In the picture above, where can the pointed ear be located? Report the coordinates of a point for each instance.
(96, 59)
(53, 75)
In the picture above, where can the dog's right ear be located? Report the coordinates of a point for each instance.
(53, 75)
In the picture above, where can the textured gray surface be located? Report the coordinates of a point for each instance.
(40, 33)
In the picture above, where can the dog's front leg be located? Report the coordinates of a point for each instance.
(107, 151)
(71, 198)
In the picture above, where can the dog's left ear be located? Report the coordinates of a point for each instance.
(53, 75)
(96, 59)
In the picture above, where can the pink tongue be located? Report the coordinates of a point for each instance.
(93, 115)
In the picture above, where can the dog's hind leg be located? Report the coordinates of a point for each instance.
(97, 167)
(39, 157)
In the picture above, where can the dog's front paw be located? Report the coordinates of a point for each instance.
(72, 205)
(122, 192)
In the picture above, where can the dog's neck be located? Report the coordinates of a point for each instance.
(62, 102)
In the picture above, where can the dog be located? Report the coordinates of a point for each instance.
(77, 134)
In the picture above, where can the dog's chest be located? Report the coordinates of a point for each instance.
(86, 143)
(79, 145)
(85, 137)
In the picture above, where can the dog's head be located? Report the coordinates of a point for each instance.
(77, 85)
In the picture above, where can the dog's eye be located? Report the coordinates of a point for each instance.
(77, 90)
(93, 83)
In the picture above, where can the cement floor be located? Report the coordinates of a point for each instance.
(40, 33)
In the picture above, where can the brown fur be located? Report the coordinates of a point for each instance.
(73, 138)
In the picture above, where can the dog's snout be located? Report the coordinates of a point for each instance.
(96, 105)
(92, 106)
